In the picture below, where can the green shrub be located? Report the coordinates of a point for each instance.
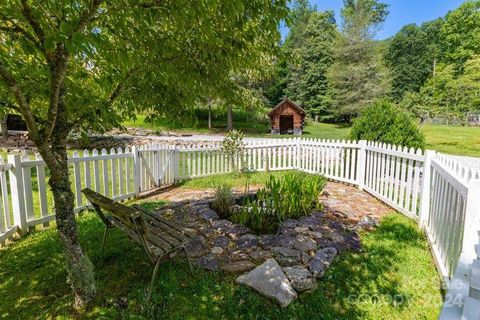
(223, 200)
(383, 122)
(289, 197)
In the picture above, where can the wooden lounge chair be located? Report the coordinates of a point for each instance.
(160, 238)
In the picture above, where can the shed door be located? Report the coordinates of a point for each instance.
(286, 124)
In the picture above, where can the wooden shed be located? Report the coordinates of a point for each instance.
(287, 118)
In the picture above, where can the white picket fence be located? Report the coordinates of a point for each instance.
(442, 192)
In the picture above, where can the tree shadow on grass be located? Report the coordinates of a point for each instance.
(33, 281)
(358, 286)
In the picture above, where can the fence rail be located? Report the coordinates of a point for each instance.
(439, 191)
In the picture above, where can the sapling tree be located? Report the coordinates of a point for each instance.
(88, 64)
(234, 148)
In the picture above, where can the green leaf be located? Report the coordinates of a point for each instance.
(66, 27)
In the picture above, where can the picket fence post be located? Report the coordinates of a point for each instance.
(17, 193)
(425, 191)
(298, 158)
(175, 164)
(362, 156)
(472, 220)
(136, 171)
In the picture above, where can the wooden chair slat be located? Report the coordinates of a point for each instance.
(172, 232)
(151, 228)
(159, 242)
(165, 236)
(160, 219)
(159, 238)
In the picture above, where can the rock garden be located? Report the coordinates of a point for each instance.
(280, 239)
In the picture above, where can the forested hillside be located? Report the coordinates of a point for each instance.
(335, 68)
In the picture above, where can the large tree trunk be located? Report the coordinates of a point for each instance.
(79, 267)
(229, 118)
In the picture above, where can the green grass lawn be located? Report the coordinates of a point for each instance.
(231, 179)
(451, 139)
(393, 278)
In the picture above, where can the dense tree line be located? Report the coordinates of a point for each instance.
(436, 66)
(334, 69)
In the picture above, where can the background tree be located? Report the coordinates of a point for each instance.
(357, 75)
(276, 87)
(412, 55)
(307, 79)
(461, 32)
(63, 61)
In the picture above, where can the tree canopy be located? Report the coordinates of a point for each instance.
(84, 65)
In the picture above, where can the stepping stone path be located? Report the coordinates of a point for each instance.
(282, 265)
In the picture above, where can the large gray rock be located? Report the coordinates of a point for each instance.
(269, 280)
(321, 261)
(305, 244)
(300, 278)
(286, 256)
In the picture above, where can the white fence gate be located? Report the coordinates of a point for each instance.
(156, 166)
(440, 191)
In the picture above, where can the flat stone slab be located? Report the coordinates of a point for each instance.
(208, 262)
(216, 250)
(305, 244)
(285, 241)
(286, 256)
(321, 261)
(221, 225)
(235, 231)
(267, 241)
(300, 278)
(238, 266)
(221, 241)
(270, 281)
(247, 241)
(208, 214)
(261, 255)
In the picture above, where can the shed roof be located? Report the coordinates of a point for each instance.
(281, 103)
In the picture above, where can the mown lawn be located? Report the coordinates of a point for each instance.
(464, 141)
(393, 278)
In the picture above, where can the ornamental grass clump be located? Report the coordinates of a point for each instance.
(223, 200)
(289, 197)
